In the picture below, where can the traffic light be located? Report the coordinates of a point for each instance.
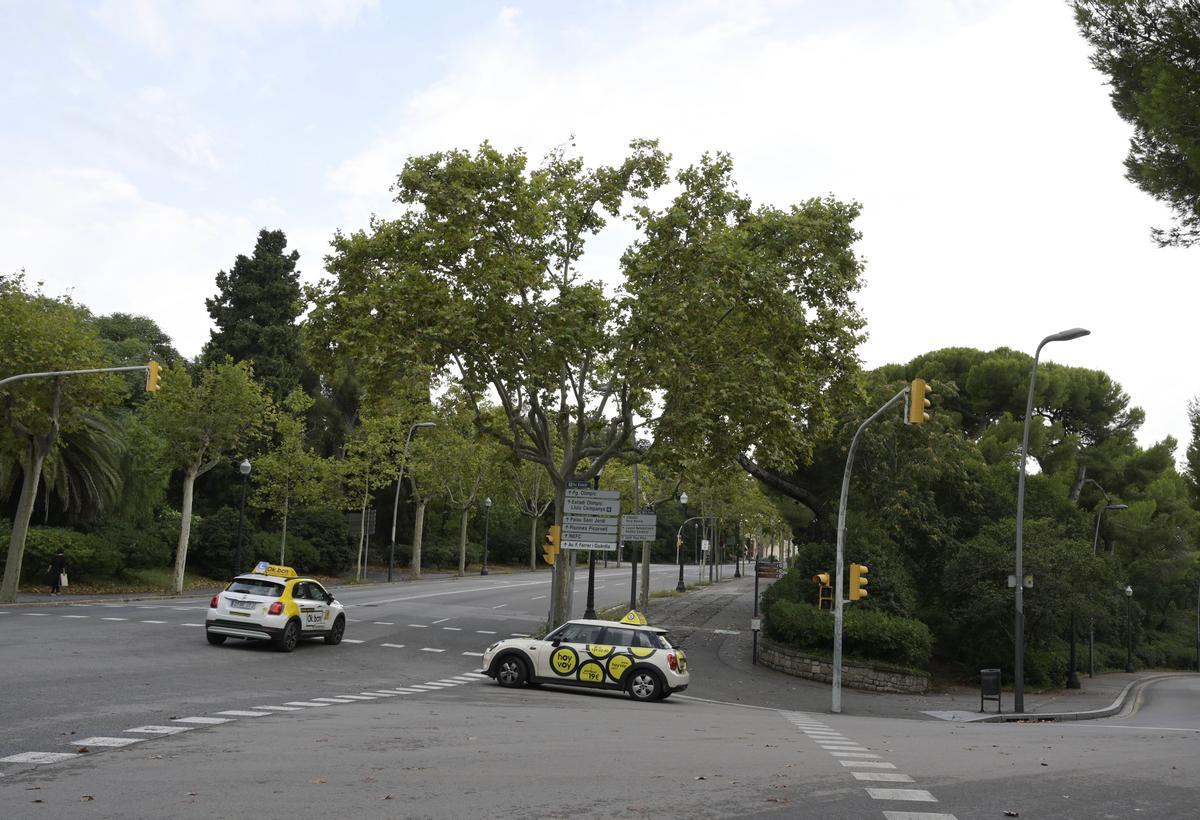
(153, 374)
(858, 581)
(824, 590)
(918, 402)
(551, 548)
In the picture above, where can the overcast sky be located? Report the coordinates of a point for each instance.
(143, 144)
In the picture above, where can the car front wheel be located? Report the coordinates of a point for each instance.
(644, 685)
(510, 671)
(335, 635)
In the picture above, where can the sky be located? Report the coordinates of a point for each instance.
(143, 145)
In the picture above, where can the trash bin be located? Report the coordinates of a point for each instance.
(989, 687)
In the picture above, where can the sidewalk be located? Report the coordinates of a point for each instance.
(712, 624)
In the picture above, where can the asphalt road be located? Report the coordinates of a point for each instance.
(71, 672)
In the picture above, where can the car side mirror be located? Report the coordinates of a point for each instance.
(328, 597)
(556, 642)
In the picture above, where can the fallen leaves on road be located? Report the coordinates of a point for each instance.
(82, 750)
(85, 798)
(318, 780)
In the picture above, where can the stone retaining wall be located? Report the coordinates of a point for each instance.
(794, 662)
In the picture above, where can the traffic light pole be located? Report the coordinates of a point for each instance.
(839, 583)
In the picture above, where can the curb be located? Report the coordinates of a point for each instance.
(1091, 714)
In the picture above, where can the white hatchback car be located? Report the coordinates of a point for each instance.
(629, 656)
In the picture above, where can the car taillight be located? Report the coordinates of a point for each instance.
(671, 662)
(213, 604)
(276, 608)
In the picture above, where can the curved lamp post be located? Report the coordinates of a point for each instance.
(420, 425)
(244, 469)
(1019, 589)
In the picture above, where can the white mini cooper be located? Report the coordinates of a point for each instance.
(629, 656)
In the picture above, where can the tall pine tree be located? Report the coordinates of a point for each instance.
(255, 311)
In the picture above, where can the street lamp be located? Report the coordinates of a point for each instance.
(487, 517)
(590, 611)
(1019, 589)
(1072, 678)
(1129, 628)
(244, 469)
(420, 425)
(680, 587)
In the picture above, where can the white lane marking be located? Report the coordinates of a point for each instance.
(477, 631)
(600, 587)
(207, 721)
(452, 628)
(381, 694)
(38, 757)
(917, 815)
(359, 697)
(854, 754)
(477, 674)
(431, 649)
(872, 764)
(154, 622)
(406, 690)
(243, 713)
(452, 592)
(519, 634)
(473, 654)
(426, 688)
(915, 795)
(439, 685)
(333, 700)
(305, 703)
(442, 621)
(114, 619)
(419, 626)
(383, 623)
(883, 777)
(726, 632)
(451, 681)
(393, 645)
(350, 640)
(76, 616)
(537, 597)
(183, 608)
(463, 678)
(499, 606)
(279, 708)
(45, 614)
(112, 742)
(161, 730)
(191, 624)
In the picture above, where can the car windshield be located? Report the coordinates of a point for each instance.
(251, 586)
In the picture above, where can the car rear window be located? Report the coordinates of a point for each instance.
(250, 587)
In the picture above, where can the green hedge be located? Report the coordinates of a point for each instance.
(866, 634)
(89, 557)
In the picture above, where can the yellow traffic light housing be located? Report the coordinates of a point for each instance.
(153, 375)
(551, 548)
(824, 590)
(858, 581)
(918, 402)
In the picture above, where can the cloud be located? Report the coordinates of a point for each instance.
(140, 21)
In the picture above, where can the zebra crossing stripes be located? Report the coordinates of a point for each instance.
(854, 756)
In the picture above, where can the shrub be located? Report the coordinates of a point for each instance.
(298, 554)
(89, 557)
(214, 542)
(868, 634)
(326, 531)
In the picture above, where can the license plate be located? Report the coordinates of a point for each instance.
(242, 604)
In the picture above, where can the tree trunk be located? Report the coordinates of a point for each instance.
(418, 534)
(283, 536)
(533, 544)
(645, 568)
(462, 542)
(559, 601)
(362, 535)
(20, 529)
(185, 526)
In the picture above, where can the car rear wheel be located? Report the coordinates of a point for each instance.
(644, 685)
(290, 637)
(214, 638)
(335, 635)
(511, 671)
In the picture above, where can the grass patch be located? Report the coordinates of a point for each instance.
(157, 581)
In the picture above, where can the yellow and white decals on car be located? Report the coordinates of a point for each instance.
(564, 660)
(618, 665)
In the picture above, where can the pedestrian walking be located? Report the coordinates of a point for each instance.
(58, 572)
